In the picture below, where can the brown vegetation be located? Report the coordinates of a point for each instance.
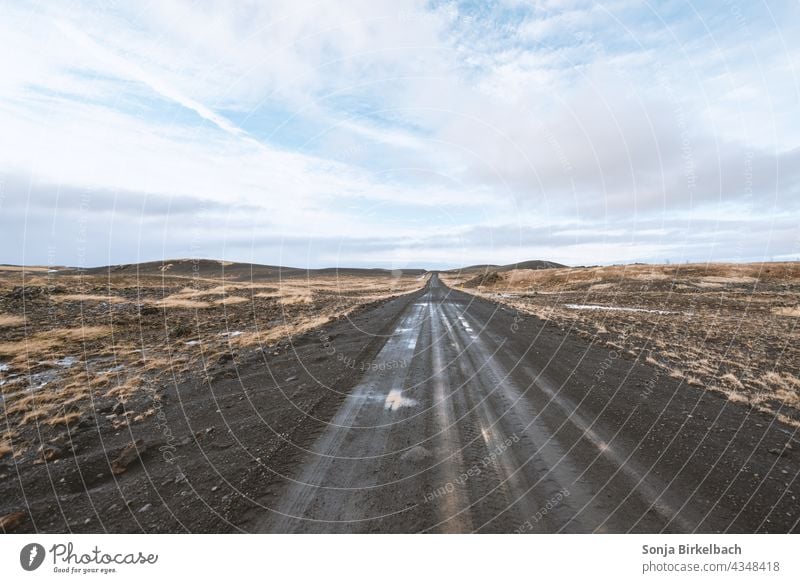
(731, 328)
(95, 348)
(10, 320)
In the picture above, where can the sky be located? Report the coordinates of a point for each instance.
(399, 133)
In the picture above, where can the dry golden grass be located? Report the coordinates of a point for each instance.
(785, 387)
(281, 332)
(11, 320)
(605, 277)
(296, 299)
(216, 290)
(730, 379)
(145, 353)
(173, 302)
(30, 269)
(791, 312)
(230, 300)
(37, 415)
(62, 403)
(88, 298)
(42, 342)
(721, 327)
(64, 419)
(124, 390)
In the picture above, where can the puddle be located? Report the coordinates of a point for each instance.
(67, 362)
(616, 309)
(40, 379)
(395, 400)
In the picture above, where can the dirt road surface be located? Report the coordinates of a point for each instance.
(473, 418)
(433, 411)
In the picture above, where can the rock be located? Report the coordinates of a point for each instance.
(129, 454)
(11, 521)
(118, 409)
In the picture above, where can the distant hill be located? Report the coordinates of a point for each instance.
(488, 267)
(534, 264)
(210, 268)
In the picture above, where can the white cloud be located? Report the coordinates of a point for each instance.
(318, 113)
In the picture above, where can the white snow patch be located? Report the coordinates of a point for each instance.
(67, 362)
(231, 334)
(395, 400)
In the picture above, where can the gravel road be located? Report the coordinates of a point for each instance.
(472, 418)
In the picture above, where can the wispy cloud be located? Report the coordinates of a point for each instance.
(427, 131)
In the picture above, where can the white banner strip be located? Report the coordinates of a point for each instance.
(355, 558)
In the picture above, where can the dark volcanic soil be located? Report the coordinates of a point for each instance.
(213, 454)
(630, 448)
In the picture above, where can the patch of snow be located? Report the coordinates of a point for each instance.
(192, 342)
(231, 334)
(41, 379)
(395, 400)
(3, 367)
(67, 362)
(616, 309)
